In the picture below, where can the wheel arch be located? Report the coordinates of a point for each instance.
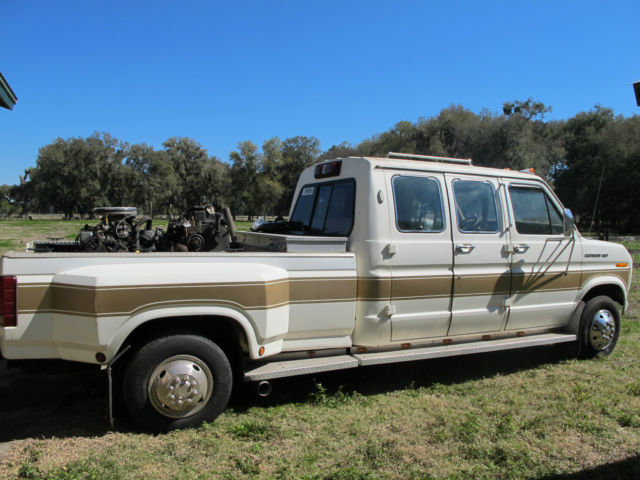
(611, 287)
(231, 331)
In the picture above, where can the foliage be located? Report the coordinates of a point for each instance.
(599, 172)
(76, 175)
(591, 159)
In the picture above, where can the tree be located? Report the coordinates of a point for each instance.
(298, 153)
(189, 160)
(254, 175)
(217, 187)
(339, 151)
(272, 189)
(528, 109)
(245, 171)
(77, 174)
(517, 140)
(577, 175)
(8, 201)
(153, 177)
(598, 177)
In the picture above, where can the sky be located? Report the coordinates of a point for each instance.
(226, 72)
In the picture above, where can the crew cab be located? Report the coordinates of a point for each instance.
(383, 260)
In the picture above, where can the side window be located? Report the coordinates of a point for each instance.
(476, 209)
(326, 209)
(534, 211)
(418, 204)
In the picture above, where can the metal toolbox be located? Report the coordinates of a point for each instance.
(274, 242)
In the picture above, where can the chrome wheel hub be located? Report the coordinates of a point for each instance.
(602, 330)
(180, 386)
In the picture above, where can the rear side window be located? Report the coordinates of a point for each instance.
(476, 209)
(418, 204)
(326, 209)
(535, 212)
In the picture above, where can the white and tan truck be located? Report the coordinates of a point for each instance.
(386, 260)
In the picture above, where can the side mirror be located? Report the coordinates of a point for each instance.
(569, 222)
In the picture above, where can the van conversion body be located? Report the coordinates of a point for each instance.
(385, 260)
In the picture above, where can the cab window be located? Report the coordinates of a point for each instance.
(326, 209)
(418, 204)
(534, 211)
(476, 209)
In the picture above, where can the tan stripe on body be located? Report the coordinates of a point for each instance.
(101, 301)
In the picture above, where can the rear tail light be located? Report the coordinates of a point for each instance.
(8, 314)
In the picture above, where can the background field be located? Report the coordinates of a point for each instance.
(535, 413)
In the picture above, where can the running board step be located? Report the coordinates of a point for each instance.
(290, 368)
(378, 358)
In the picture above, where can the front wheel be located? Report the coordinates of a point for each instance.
(599, 327)
(177, 381)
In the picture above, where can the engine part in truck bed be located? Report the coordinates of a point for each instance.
(199, 229)
(45, 246)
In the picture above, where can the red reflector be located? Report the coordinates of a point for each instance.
(8, 302)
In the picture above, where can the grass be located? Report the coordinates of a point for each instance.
(536, 413)
(15, 234)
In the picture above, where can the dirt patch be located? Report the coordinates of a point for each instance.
(4, 449)
(51, 399)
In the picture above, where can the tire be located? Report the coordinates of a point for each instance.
(599, 327)
(177, 381)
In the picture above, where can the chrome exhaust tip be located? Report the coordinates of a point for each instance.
(264, 388)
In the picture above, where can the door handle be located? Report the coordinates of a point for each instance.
(464, 248)
(521, 248)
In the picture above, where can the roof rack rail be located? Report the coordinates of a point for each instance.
(430, 158)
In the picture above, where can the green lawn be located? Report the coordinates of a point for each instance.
(535, 413)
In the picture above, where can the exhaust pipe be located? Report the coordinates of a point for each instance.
(232, 225)
(264, 388)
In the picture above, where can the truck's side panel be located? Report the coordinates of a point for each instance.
(545, 264)
(481, 264)
(422, 276)
(370, 242)
(88, 309)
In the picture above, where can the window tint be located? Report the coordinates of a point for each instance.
(326, 209)
(476, 209)
(557, 222)
(418, 204)
(322, 205)
(535, 212)
(340, 214)
(304, 205)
